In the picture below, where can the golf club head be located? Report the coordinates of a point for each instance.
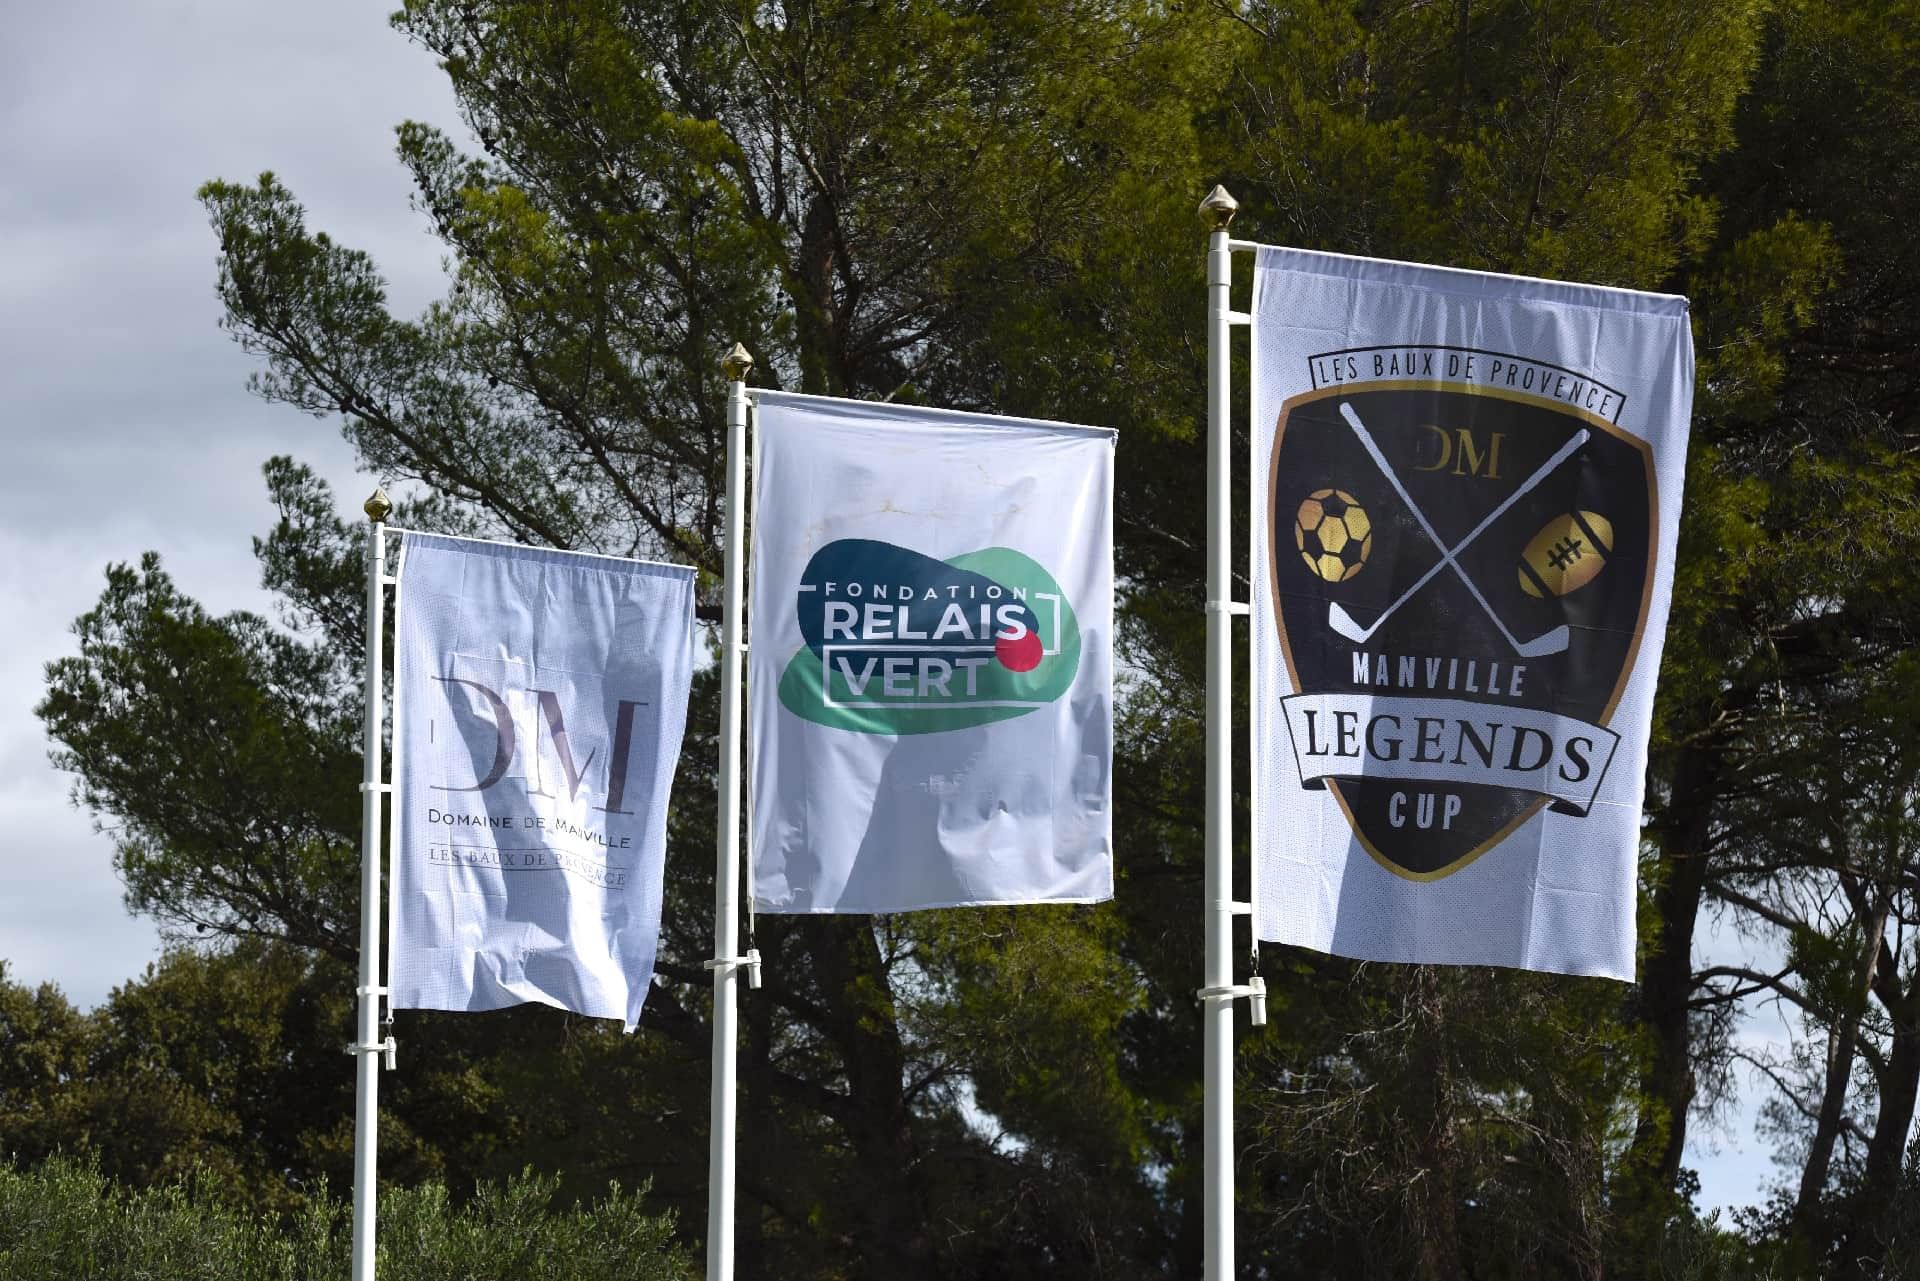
(1552, 642)
(1343, 625)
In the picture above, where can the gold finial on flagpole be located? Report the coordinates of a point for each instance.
(737, 363)
(1218, 209)
(378, 507)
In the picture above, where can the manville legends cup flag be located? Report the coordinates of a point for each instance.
(931, 680)
(1466, 492)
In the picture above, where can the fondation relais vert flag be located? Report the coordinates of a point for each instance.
(1466, 493)
(930, 669)
(539, 702)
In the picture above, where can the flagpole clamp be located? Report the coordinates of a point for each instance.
(1237, 906)
(376, 787)
(750, 963)
(1229, 607)
(372, 989)
(1254, 989)
(385, 1049)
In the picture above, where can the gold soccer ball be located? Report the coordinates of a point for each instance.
(1333, 534)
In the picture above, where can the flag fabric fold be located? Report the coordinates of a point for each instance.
(540, 698)
(1465, 505)
(930, 677)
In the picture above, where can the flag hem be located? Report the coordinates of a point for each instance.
(760, 905)
(902, 415)
(535, 553)
(1447, 280)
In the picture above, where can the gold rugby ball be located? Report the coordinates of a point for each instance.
(1568, 553)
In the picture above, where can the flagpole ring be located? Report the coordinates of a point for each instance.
(1254, 990)
(750, 963)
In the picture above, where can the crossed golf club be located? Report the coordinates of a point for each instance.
(1343, 624)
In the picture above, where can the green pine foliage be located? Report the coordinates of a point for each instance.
(990, 205)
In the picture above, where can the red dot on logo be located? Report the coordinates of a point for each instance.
(1018, 653)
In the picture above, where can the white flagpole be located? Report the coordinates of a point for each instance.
(1220, 992)
(366, 1048)
(727, 963)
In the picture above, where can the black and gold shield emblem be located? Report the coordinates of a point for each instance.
(1461, 575)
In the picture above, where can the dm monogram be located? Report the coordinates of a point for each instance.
(489, 727)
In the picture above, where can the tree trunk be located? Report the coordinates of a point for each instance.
(759, 1155)
(888, 1193)
(1666, 983)
(1866, 1243)
(888, 1201)
(1189, 1188)
(1437, 1203)
(1846, 1042)
(822, 360)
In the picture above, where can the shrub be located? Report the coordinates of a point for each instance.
(66, 1222)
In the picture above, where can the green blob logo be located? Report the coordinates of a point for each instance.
(901, 643)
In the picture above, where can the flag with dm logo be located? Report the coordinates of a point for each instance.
(539, 702)
(930, 674)
(1466, 497)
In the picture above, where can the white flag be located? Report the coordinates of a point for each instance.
(1466, 495)
(539, 702)
(931, 671)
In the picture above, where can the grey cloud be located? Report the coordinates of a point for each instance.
(125, 424)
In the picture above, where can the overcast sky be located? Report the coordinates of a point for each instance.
(123, 407)
(124, 413)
